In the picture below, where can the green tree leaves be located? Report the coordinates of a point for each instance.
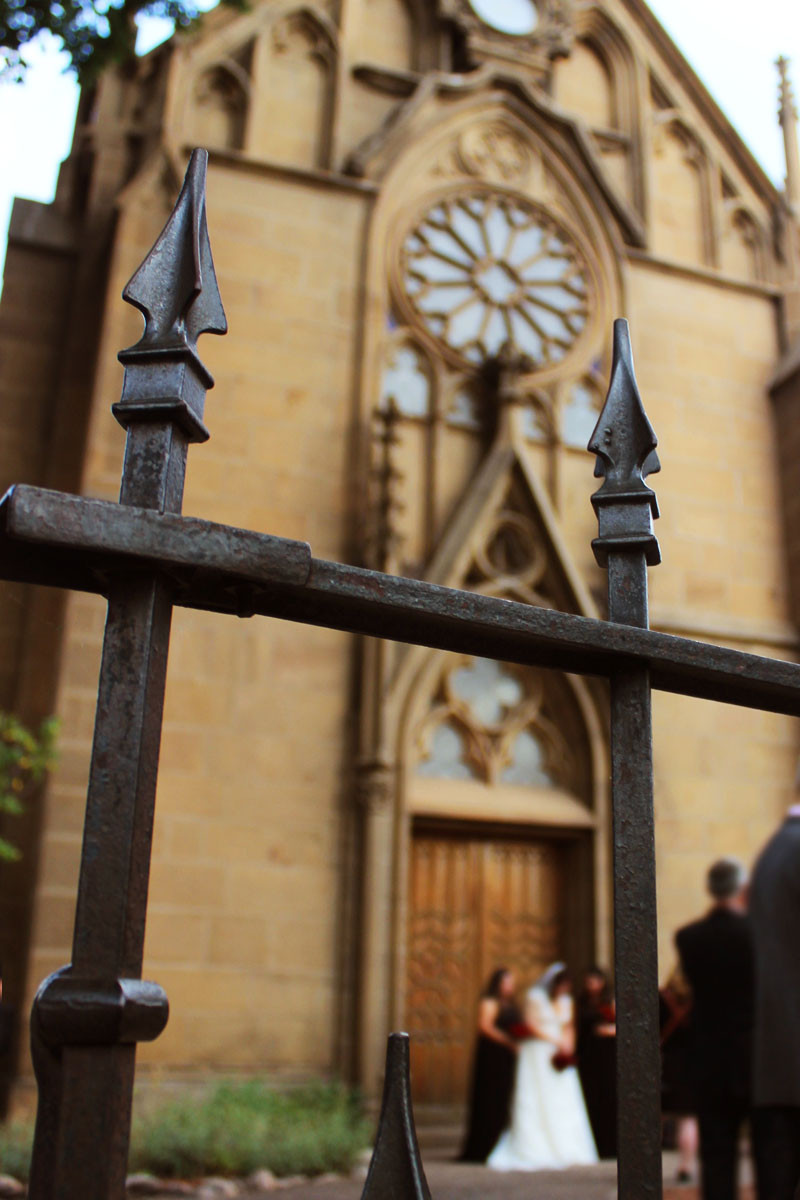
(25, 757)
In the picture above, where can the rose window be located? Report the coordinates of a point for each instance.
(483, 271)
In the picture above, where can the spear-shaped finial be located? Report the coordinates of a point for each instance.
(787, 115)
(396, 1167)
(176, 290)
(625, 445)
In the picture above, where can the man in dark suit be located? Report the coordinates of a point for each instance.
(775, 916)
(716, 954)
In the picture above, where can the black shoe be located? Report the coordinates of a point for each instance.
(684, 1177)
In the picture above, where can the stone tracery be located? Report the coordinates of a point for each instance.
(482, 270)
(489, 722)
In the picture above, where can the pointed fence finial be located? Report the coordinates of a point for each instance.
(625, 445)
(176, 291)
(787, 115)
(396, 1168)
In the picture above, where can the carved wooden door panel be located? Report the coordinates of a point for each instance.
(474, 904)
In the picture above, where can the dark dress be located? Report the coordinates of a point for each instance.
(597, 1067)
(677, 1045)
(493, 1071)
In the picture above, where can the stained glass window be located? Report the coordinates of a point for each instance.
(447, 754)
(464, 411)
(406, 382)
(487, 688)
(527, 764)
(489, 723)
(483, 270)
(581, 411)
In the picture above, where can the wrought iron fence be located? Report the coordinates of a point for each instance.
(145, 558)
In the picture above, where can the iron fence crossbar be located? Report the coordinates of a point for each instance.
(146, 558)
(224, 569)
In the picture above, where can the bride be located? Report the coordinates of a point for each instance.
(549, 1126)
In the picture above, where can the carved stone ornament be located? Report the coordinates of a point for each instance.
(307, 27)
(494, 152)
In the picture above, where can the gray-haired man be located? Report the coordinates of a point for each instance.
(716, 954)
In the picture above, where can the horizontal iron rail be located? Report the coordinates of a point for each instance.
(223, 569)
(102, 527)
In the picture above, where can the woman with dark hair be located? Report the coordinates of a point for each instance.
(549, 1127)
(597, 1058)
(493, 1066)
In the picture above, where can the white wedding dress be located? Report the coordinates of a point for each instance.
(549, 1125)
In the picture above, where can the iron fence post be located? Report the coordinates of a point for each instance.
(395, 1170)
(88, 1017)
(625, 444)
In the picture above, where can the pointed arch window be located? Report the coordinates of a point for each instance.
(579, 414)
(446, 755)
(537, 420)
(742, 244)
(490, 723)
(406, 381)
(219, 107)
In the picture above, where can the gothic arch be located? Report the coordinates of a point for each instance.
(743, 244)
(490, 143)
(295, 65)
(218, 109)
(681, 194)
(385, 34)
(584, 84)
(503, 540)
(540, 759)
(617, 128)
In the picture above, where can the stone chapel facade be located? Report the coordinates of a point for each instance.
(351, 835)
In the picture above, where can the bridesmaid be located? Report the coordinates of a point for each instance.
(494, 1066)
(597, 1058)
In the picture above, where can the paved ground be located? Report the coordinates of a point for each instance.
(455, 1181)
(450, 1180)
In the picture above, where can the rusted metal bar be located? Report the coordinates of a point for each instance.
(101, 532)
(239, 572)
(88, 1017)
(396, 1167)
(625, 445)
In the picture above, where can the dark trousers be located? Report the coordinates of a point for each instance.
(776, 1141)
(720, 1124)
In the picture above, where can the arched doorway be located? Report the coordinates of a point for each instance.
(500, 863)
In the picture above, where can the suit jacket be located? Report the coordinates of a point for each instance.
(775, 913)
(716, 954)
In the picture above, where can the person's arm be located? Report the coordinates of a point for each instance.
(487, 1018)
(566, 1016)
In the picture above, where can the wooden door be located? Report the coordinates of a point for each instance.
(474, 904)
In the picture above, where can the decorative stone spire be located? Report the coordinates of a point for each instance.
(386, 539)
(787, 115)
